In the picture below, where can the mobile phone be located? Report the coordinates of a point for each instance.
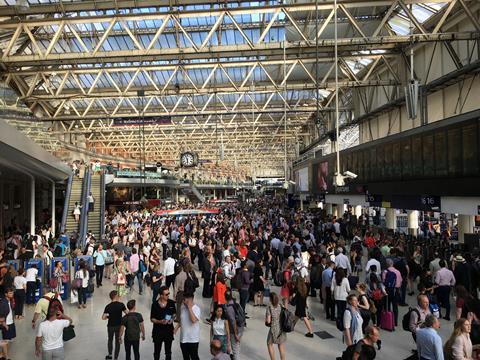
(168, 317)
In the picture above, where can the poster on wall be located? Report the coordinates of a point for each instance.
(301, 180)
(321, 176)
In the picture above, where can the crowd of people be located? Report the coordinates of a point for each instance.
(238, 259)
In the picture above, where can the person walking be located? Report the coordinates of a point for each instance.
(219, 329)
(49, 340)
(418, 315)
(459, 345)
(429, 343)
(162, 314)
(20, 283)
(99, 255)
(135, 271)
(113, 313)
(83, 274)
(132, 327)
(444, 279)
(276, 336)
(300, 300)
(189, 325)
(217, 352)
(77, 210)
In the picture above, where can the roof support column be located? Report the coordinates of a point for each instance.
(53, 209)
(32, 204)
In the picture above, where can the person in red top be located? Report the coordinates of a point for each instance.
(286, 290)
(369, 241)
(219, 291)
(243, 250)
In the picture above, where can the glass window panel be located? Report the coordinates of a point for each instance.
(454, 137)
(440, 153)
(397, 161)
(470, 149)
(406, 158)
(417, 163)
(428, 156)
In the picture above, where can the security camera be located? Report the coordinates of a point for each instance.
(350, 175)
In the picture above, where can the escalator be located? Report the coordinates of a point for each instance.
(97, 188)
(73, 195)
(191, 192)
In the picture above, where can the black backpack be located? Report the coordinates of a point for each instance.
(350, 351)
(406, 318)
(191, 284)
(240, 318)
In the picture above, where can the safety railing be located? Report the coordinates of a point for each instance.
(68, 193)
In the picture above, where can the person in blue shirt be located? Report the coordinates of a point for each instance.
(429, 343)
(99, 257)
(327, 276)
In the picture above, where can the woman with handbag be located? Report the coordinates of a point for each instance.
(82, 273)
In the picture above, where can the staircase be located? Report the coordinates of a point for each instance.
(75, 196)
(191, 191)
(94, 217)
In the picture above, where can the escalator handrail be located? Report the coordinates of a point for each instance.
(102, 204)
(84, 214)
(68, 193)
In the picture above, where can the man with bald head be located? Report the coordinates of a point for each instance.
(216, 351)
(418, 314)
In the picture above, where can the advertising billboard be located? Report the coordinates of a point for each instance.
(301, 180)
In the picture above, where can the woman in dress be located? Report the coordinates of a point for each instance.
(275, 335)
(58, 274)
(120, 277)
(301, 293)
(77, 211)
(258, 283)
(286, 290)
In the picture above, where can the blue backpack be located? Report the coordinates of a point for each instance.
(390, 279)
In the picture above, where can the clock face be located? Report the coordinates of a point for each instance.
(187, 159)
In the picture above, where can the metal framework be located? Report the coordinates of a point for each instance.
(80, 65)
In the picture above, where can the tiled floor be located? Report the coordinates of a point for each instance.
(90, 342)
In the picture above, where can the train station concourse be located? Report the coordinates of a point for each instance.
(206, 179)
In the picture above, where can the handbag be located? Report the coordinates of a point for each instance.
(68, 333)
(121, 279)
(266, 292)
(65, 278)
(53, 283)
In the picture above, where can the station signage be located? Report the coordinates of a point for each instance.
(374, 200)
(136, 121)
(430, 203)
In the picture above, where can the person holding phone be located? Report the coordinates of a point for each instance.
(161, 315)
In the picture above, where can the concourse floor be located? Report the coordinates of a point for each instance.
(91, 331)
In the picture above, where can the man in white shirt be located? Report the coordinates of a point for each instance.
(49, 340)
(342, 261)
(375, 262)
(189, 325)
(169, 270)
(31, 277)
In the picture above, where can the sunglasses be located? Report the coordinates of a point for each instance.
(166, 294)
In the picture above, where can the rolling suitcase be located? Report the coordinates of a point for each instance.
(387, 319)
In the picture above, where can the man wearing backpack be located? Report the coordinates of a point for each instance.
(418, 314)
(41, 309)
(132, 327)
(392, 279)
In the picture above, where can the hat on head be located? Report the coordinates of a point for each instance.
(459, 258)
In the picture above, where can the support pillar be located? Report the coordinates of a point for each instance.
(176, 196)
(214, 194)
(53, 208)
(340, 210)
(391, 219)
(301, 204)
(328, 208)
(358, 211)
(413, 222)
(32, 205)
(465, 226)
(226, 193)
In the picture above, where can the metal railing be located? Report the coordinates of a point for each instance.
(68, 193)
